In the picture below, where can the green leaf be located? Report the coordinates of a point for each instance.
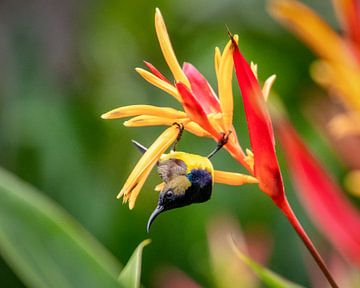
(268, 277)
(45, 246)
(130, 275)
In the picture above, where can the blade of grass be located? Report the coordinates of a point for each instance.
(130, 275)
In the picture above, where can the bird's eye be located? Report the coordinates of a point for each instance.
(169, 194)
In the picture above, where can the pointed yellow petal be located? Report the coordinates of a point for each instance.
(249, 158)
(145, 164)
(267, 86)
(235, 179)
(133, 110)
(309, 27)
(148, 120)
(225, 85)
(196, 129)
(254, 68)
(163, 85)
(217, 59)
(135, 192)
(167, 49)
(217, 121)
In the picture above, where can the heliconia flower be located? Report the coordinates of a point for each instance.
(323, 199)
(339, 66)
(205, 114)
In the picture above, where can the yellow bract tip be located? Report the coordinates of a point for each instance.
(254, 69)
(235, 179)
(163, 85)
(267, 86)
(225, 84)
(168, 50)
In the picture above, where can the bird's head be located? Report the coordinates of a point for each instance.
(183, 190)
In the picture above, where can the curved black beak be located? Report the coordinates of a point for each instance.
(156, 212)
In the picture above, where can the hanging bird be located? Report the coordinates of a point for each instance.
(188, 178)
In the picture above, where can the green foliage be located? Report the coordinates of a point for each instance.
(130, 275)
(45, 246)
(269, 278)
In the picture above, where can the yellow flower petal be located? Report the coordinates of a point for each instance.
(142, 169)
(217, 59)
(196, 129)
(267, 86)
(147, 120)
(163, 85)
(135, 192)
(133, 110)
(216, 121)
(249, 158)
(254, 68)
(309, 27)
(225, 85)
(167, 49)
(234, 179)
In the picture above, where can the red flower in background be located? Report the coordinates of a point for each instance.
(329, 209)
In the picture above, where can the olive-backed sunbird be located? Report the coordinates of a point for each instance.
(188, 178)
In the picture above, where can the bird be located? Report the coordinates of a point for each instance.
(187, 178)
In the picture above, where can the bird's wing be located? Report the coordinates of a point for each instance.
(171, 168)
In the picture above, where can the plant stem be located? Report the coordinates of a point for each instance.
(290, 215)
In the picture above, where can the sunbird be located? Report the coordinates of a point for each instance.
(188, 178)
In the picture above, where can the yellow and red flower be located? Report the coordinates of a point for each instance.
(205, 114)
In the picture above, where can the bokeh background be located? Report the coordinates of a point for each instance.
(64, 63)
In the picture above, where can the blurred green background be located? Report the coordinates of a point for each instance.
(64, 63)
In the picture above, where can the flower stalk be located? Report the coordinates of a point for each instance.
(285, 207)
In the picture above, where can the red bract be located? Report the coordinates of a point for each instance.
(195, 110)
(322, 197)
(266, 167)
(201, 89)
(156, 72)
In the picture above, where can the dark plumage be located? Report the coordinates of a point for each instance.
(181, 188)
